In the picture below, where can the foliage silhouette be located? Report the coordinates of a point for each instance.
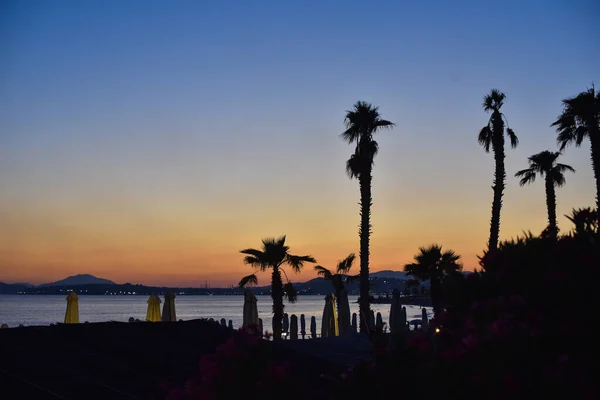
(273, 255)
(435, 265)
(362, 122)
(492, 136)
(580, 119)
(545, 165)
(585, 221)
(341, 272)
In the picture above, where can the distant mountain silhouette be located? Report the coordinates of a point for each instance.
(388, 273)
(83, 279)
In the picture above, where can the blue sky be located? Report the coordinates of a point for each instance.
(138, 123)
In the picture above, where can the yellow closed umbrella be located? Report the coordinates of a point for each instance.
(72, 314)
(153, 313)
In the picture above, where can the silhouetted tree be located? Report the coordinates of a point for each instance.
(492, 136)
(545, 165)
(435, 265)
(585, 221)
(362, 122)
(274, 255)
(580, 119)
(341, 271)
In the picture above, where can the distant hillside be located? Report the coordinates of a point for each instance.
(388, 273)
(83, 279)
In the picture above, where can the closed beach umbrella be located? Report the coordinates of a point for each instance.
(223, 322)
(343, 312)
(329, 326)
(153, 313)
(379, 323)
(313, 327)
(168, 314)
(286, 323)
(293, 327)
(354, 323)
(396, 322)
(250, 310)
(72, 314)
(425, 323)
(404, 318)
(302, 325)
(230, 324)
(372, 320)
(260, 327)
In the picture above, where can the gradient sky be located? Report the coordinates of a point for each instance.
(148, 141)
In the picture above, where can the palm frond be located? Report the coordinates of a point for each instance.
(323, 272)
(352, 167)
(527, 176)
(255, 262)
(564, 167)
(248, 280)
(346, 264)
(514, 140)
(485, 138)
(290, 292)
(297, 262)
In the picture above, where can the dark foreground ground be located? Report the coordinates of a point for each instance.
(129, 361)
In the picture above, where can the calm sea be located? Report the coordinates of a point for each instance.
(47, 309)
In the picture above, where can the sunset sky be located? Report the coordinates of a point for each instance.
(148, 142)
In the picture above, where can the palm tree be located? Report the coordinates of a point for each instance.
(337, 279)
(586, 221)
(435, 265)
(580, 119)
(362, 122)
(492, 136)
(274, 254)
(544, 164)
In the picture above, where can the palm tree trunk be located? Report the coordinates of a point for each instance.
(499, 179)
(277, 296)
(436, 293)
(551, 204)
(595, 145)
(365, 233)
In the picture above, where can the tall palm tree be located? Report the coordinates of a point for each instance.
(337, 278)
(545, 165)
(362, 122)
(492, 136)
(580, 119)
(435, 265)
(273, 255)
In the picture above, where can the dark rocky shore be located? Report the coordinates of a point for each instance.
(115, 360)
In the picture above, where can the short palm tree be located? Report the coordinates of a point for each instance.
(492, 136)
(545, 165)
(586, 220)
(580, 119)
(435, 265)
(337, 278)
(362, 122)
(273, 255)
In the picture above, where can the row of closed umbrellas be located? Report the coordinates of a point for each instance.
(336, 320)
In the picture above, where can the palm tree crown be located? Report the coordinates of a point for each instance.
(341, 270)
(273, 255)
(580, 119)
(544, 164)
(435, 265)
